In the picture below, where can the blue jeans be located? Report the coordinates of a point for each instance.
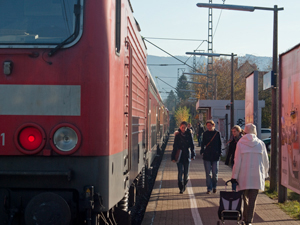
(199, 140)
(183, 169)
(211, 181)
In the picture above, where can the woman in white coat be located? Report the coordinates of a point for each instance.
(251, 165)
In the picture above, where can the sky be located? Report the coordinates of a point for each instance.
(236, 32)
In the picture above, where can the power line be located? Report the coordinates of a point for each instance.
(167, 77)
(174, 39)
(164, 64)
(158, 84)
(168, 53)
(167, 83)
(195, 50)
(219, 19)
(217, 23)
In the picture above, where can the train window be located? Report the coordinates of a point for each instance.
(118, 26)
(39, 22)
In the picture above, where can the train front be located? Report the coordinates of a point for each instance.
(53, 111)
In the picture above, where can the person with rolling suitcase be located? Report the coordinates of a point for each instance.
(251, 165)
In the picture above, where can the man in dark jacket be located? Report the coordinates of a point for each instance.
(211, 152)
(200, 130)
(184, 142)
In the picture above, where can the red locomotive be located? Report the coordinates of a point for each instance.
(81, 118)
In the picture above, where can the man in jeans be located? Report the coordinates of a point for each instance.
(211, 152)
(200, 130)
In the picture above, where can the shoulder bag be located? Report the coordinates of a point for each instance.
(210, 140)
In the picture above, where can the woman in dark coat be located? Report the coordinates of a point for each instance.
(183, 141)
(211, 151)
(237, 133)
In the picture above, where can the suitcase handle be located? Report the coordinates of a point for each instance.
(226, 184)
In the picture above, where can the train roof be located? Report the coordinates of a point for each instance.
(152, 82)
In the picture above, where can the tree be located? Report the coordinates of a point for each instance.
(182, 114)
(181, 84)
(170, 102)
(222, 69)
(193, 114)
(200, 89)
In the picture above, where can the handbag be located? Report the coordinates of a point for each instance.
(178, 155)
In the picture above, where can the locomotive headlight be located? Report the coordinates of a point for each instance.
(65, 139)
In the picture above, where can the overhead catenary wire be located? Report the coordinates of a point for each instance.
(167, 84)
(195, 50)
(167, 77)
(168, 53)
(164, 64)
(184, 63)
(218, 20)
(158, 84)
(174, 39)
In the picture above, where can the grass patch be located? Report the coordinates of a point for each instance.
(291, 206)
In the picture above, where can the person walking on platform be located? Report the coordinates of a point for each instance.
(250, 169)
(189, 126)
(237, 133)
(183, 152)
(200, 130)
(211, 152)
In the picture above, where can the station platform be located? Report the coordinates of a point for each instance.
(167, 207)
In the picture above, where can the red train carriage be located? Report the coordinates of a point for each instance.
(80, 116)
(158, 116)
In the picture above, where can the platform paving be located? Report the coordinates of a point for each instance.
(167, 207)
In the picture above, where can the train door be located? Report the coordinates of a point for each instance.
(149, 126)
(158, 128)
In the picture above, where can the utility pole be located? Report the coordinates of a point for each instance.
(210, 90)
(232, 93)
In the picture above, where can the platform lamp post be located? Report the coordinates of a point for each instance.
(273, 182)
(232, 86)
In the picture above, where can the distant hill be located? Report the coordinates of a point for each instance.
(162, 68)
(263, 63)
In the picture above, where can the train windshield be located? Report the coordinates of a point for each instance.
(38, 22)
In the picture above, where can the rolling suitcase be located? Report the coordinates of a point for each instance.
(230, 207)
